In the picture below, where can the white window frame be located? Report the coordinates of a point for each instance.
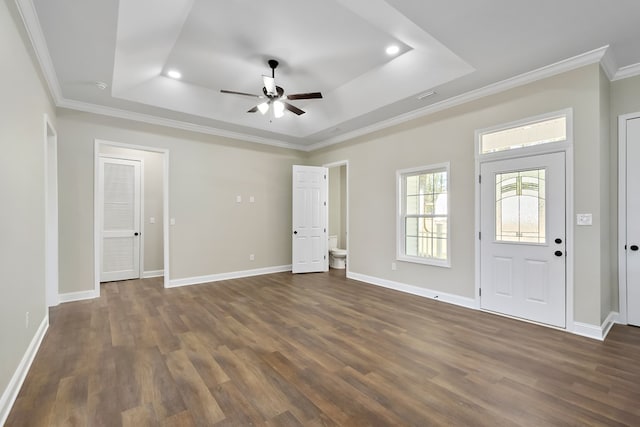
(547, 147)
(401, 208)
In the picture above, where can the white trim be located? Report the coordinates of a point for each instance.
(152, 273)
(188, 281)
(51, 231)
(594, 331)
(567, 113)
(609, 65)
(400, 208)
(567, 148)
(165, 206)
(17, 379)
(34, 30)
(415, 290)
(563, 66)
(346, 164)
(171, 123)
(622, 213)
(78, 296)
(626, 72)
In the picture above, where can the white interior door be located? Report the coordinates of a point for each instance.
(633, 222)
(119, 184)
(522, 258)
(309, 243)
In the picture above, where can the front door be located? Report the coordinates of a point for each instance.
(309, 243)
(522, 244)
(119, 184)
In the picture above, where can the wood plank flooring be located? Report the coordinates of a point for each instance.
(316, 350)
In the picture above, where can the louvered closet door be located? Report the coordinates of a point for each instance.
(119, 183)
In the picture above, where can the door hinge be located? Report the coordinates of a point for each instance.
(325, 203)
(479, 179)
(325, 176)
(325, 257)
(479, 235)
(480, 292)
(325, 230)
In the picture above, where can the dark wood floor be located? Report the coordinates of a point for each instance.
(313, 350)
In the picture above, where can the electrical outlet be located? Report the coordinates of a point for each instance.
(394, 266)
(26, 320)
(152, 220)
(252, 257)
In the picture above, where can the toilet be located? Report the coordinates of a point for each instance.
(337, 257)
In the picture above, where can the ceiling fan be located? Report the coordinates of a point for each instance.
(274, 96)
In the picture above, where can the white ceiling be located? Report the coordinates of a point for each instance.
(459, 48)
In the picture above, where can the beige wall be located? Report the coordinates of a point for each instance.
(213, 234)
(152, 203)
(448, 136)
(23, 103)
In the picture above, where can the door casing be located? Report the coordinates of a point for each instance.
(566, 147)
(98, 143)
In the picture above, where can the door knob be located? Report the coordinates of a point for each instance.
(136, 233)
(558, 240)
(633, 247)
(295, 232)
(558, 253)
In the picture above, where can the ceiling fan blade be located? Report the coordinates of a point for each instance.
(253, 110)
(269, 85)
(310, 95)
(233, 92)
(293, 109)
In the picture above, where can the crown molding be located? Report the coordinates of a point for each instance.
(29, 16)
(626, 72)
(176, 124)
(609, 65)
(563, 66)
(32, 25)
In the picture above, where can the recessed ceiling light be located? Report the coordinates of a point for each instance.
(392, 50)
(174, 74)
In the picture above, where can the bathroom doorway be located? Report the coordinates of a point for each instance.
(338, 212)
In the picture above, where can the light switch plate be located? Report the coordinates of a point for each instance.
(584, 219)
(252, 199)
(238, 199)
(152, 220)
(172, 221)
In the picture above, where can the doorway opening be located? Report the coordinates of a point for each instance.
(338, 224)
(131, 239)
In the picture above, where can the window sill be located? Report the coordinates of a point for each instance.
(425, 261)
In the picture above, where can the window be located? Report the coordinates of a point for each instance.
(542, 131)
(520, 206)
(423, 215)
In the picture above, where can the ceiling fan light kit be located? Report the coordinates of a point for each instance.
(275, 97)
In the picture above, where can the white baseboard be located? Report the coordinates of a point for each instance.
(174, 283)
(77, 296)
(415, 290)
(152, 273)
(594, 331)
(11, 392)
